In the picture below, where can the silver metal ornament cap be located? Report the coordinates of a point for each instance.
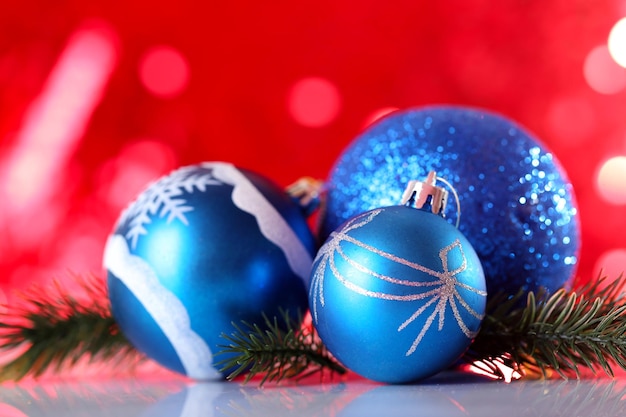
(422, 193)
(306, 192)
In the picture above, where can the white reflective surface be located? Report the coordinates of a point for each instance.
(442, 396)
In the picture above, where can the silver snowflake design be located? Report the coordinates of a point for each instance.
(165, 198)
(442, 291)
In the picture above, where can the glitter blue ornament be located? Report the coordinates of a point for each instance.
(205, 246)
(518, 205)
(397, 293)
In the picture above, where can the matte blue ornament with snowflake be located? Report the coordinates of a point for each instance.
(397, 293)
(206, 246)
(519, 207)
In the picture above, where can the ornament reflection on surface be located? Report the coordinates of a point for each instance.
(449, 394)
(86, 397)
(234, 400)
(192, 401)
(355, 398)
(403, 400)
(519, 210)
(206, 246)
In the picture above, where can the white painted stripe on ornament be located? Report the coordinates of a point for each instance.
(272, 225)
(164, 307)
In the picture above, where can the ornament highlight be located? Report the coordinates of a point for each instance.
(397, 293)
(519, 208)
(207, 245)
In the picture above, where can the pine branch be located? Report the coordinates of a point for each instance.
(563, 333)
(55, 330)
(278, 350)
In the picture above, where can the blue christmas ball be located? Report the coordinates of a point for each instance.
(518, 208)
(205, 246)
(397, 294)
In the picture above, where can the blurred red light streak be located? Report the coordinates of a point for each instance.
(32, 171)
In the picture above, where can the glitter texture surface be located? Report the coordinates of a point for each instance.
(518, 208)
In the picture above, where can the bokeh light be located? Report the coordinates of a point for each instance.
(602, 73)
(164, 71)
(7, 410)
(139, 163)
(378, 114)
(86, 240)
(314, 102)
(571, 120)
(611, 180)
(56, 120)
(39, 173)
(617, 42)
(611, 264)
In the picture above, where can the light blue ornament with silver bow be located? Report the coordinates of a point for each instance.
(398, 293)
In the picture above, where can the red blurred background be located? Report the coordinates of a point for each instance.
(97, 99)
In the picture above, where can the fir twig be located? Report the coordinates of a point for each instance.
(55, 329)
(277, 350)
(563, 333)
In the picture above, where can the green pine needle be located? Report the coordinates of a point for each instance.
(54, 329)
(564, 333)
(276, 350)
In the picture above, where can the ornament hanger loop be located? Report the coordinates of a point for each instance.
(423, 193)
